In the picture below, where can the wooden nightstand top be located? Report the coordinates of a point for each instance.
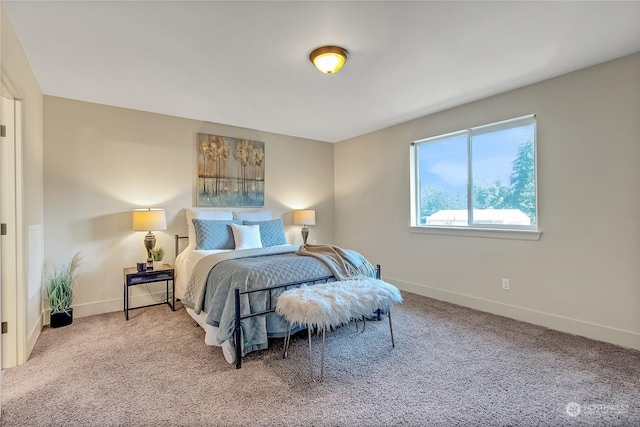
(133, 270)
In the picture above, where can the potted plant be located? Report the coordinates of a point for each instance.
(60, 290)
(158, 255)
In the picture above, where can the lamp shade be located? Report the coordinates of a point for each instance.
(329, 59)
(304, 217)
(149, 220)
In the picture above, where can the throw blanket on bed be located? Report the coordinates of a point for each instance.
(342, 263)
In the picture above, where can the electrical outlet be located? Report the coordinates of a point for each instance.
(505, 284)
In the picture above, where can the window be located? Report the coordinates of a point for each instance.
(484, 177)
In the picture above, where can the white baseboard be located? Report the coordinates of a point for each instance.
(594, 331)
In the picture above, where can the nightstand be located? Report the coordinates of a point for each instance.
(133, 277)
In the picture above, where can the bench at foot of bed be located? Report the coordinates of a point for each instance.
(333, 304)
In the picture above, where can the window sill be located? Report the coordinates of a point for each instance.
(489, 233)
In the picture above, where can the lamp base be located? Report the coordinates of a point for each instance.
(305, 234)
(149, 244)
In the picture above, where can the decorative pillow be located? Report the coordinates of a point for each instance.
(246, 236)
(261, 215)
(201, 213)
(213, 234)
(271, 232)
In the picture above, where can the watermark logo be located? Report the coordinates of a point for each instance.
(574, 409)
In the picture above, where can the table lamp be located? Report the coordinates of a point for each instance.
(304, 217)
(149, 220)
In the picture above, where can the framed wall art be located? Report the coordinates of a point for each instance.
(230, 171)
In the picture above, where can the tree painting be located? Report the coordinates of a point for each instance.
(230, 171)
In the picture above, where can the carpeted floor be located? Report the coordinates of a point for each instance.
(451, 366)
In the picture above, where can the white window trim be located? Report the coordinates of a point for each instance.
(473, 230)
(489, 233)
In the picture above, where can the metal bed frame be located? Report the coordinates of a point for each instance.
(237, 332)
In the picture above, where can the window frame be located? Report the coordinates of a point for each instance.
(511, 231)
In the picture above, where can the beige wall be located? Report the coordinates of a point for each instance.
(102, 162)
(20, 83)
(582, 276)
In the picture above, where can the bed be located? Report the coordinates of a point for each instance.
(233, 269)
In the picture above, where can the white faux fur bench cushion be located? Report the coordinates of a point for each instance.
(336, 303)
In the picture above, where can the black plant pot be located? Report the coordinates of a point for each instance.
(61, 319)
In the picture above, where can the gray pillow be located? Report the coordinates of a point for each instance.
(214, 234)
(271, 232)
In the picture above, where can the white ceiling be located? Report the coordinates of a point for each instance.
(246, 63)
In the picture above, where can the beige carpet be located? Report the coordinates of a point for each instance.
(451, 366)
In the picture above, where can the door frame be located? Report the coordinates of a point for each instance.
(13, 302)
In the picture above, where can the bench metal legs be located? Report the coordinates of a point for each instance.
(364, 325)
(287, 342)
(324, 330)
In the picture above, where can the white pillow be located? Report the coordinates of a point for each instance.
(246, 236)
(261, 215)
(201, 213)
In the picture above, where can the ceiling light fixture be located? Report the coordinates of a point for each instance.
(329, 59)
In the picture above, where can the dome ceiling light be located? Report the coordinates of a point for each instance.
(329, 59)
